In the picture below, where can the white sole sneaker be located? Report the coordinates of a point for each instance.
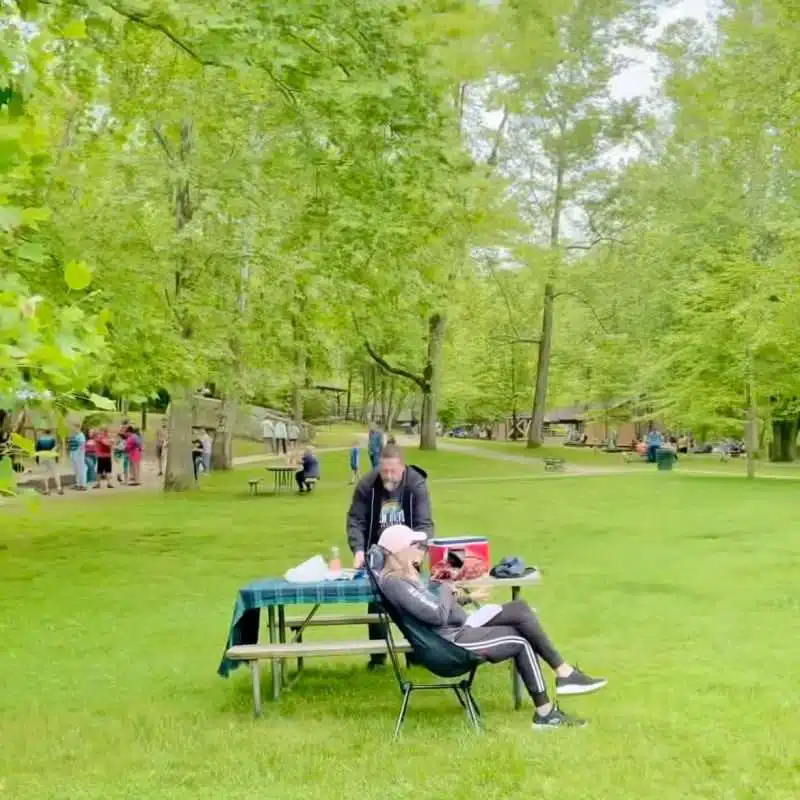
(576, 689)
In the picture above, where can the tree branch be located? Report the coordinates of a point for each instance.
(399, 371)
(319, 52)
(141, 19)
(586, 303)
(163, 142)
(498, 139)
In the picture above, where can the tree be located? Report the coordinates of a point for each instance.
(563, 129)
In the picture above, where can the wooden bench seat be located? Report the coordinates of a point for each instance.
(253, 654)
(294, 623)
(270, 652)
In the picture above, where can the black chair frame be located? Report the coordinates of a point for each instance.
(462, 688)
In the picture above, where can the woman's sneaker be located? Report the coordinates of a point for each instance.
(579, 683)
(556, 719)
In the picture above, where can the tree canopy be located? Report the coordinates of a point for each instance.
(442, 200)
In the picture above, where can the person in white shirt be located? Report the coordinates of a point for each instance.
(268, 432)
(206, 444)
(281, 434)
(294, 435)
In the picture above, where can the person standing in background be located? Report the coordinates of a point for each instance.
(76, 447)
(162, 437)
(133, 450)
(206, 442)
(355, 463)
(47, 458)
(91, 458)
(654, 441)
(268, 434)
(104, 468)
(121, 458)
(294, 435)
(281, 434)
(374, 444)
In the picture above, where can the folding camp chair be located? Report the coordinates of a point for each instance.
(437, 654)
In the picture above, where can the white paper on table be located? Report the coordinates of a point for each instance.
(484, 614)
(315, 569)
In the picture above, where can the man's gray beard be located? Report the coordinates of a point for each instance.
(390, 486)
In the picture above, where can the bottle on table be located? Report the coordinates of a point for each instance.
(335, 564)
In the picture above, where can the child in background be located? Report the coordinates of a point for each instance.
(355, 463)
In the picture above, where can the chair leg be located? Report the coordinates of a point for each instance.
(474, 702)
(403, 710)
(460, 696)
(473, 710)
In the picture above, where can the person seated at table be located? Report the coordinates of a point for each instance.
(514, 631)
(309, 468)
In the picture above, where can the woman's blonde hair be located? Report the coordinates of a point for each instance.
(401, 565)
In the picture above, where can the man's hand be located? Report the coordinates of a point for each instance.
(358, 559)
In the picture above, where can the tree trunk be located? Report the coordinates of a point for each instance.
(784, 438)
(384, 381)
(144, 417)
(751, 434)
(179, 472)
(222, 447)
(390, 404)
(536, 429)
(433, 382)
(349, 395)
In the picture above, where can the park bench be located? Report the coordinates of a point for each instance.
(254, 654)
(554, 464)
(253, 485)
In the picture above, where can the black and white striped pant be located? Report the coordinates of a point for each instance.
(515, 633)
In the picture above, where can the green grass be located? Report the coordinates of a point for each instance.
(591, 457)
(683, 591)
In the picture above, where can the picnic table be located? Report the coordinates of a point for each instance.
(276, 594)
(283, 478)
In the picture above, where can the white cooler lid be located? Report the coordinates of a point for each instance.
(456, 540)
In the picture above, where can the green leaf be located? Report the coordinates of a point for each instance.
(7, 478)
(34, 215)
(74, 29)
(31, 251)
(22, 443)
(77, 275)
(10, 217)
(103, 403)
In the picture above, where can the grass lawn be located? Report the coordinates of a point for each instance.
(683, 591)
(591, 457)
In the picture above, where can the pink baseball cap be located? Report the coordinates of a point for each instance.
(398, 537)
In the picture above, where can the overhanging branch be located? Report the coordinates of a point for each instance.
(399, 371)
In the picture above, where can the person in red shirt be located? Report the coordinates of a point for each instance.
(133, 448)
(103, 447)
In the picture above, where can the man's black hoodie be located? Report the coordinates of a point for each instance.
(364, 517)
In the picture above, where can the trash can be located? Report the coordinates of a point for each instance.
(665, 458)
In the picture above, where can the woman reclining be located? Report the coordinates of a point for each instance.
(513, 632)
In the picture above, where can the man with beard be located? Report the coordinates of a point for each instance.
(392, 494)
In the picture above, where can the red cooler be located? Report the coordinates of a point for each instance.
(476, 547)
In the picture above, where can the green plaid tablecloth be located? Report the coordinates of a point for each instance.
(264, 593)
